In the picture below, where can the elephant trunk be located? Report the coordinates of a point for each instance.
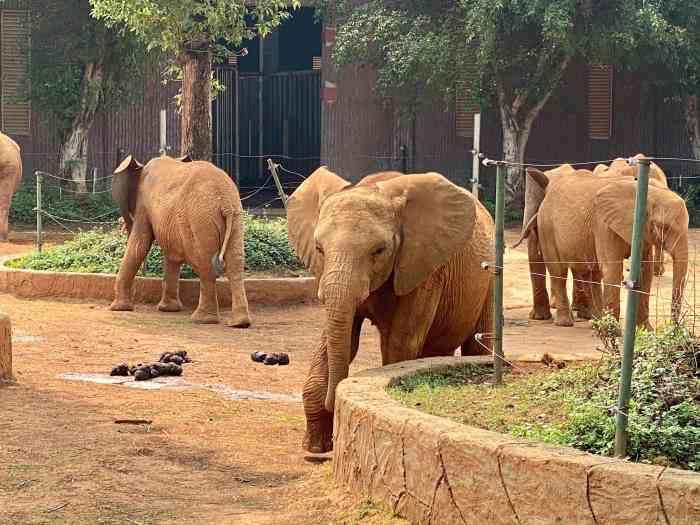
(534, 195)
(679, 253)
(341, 292)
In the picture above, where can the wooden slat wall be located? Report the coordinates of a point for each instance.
(14, 53)
(600, 84)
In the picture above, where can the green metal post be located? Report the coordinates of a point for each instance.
(39, 217)
(498, 277)
(632, 285)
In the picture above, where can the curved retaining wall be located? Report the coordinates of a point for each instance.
(100, 287)
(431, 470)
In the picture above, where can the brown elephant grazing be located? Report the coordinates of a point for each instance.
(193, 211)
(10, 180)
(585, 223)
(405, 252)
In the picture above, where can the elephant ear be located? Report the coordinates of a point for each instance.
(303, 208)
(437, 220)
(124, 188)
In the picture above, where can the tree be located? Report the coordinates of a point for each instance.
(511, 52)
(78, 66)
(192, 32)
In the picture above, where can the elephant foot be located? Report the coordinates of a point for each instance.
(121, 306)
(319, 434)
(240, 318)
(540, 313)
(170, 306)
(200, 317)
(564, 318)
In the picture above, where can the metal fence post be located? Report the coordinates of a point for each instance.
(163, 133)
(476, 155)
(404, 158)
(273, 169)
(498, 276)
(39, 232)
(632, 285)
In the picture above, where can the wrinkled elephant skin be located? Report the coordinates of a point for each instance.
(403, 251)
(192, 210)
(10, 179)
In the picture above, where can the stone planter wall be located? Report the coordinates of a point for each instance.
(434, 471)
(147, 290)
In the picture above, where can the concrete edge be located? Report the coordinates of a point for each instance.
(147, 290)
(432, 470)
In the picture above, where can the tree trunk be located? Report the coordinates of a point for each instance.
(195, 112)
(692, 120)
(74, 143)
(514, 144)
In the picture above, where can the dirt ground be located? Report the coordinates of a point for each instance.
(204, 458)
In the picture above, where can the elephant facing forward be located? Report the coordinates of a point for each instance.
(405, 252)
(193, 211)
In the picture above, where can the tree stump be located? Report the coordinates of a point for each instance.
(5, 348)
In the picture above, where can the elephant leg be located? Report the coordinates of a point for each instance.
(5, 202)
(406, 339)
(234, 257)
(538, 279)
(207, 311)
(563, 316)
(659, 268)
(645, 289)
(170, 301)
(485, 326)
(319, 422)
(582, 293)
(612, 277)
(137, 248)
(596, 292)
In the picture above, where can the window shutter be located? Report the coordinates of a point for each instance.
(14, 62)
(600, 106)
(465, 106)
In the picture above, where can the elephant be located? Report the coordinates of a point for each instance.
(582, 298)
(405, 252)
(585, 223)
(10, 179)
(193, 211)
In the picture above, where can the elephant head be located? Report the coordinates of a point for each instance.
(534, 192)
(394, 231)
(666, 225)
(124, 189)
(621, 167)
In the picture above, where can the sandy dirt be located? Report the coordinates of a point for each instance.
(204, 459)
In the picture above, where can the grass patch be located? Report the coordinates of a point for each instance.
(575, 406)
(267, 249)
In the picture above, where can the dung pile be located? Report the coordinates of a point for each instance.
(169, 364)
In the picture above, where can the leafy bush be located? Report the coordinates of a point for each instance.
(664, 412)
(266, 248)
(99, 207)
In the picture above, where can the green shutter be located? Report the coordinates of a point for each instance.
(14, 62)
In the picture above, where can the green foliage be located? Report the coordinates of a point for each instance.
(451, 377)
(266, 249)
(692, 201)
(65, 40)
(99, 206)
(172, 26)
(576, 406)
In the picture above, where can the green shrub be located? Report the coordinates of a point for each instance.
(664, 413)
(99, 207)
(266, 249)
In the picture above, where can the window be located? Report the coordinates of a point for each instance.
(14, 61)
(465, 108)
(600, 84)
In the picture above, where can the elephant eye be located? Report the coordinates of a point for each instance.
(319, 249)
(378, 251)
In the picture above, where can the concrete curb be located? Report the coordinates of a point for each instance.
(431, 470)
(147, 290)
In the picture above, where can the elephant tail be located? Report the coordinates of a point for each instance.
(217, 261)
(526, 231)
